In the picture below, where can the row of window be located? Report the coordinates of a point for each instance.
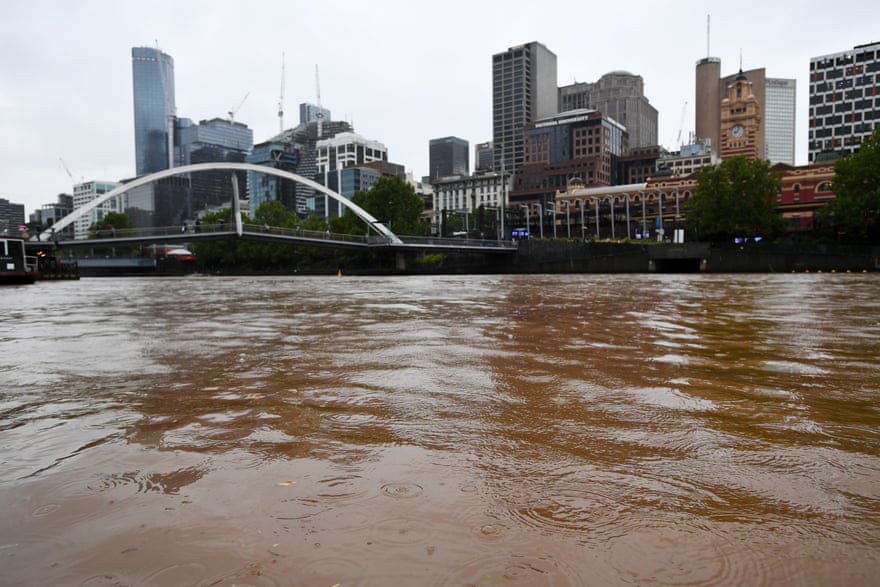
(843, 106)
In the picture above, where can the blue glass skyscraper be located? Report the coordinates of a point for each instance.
(154, 109)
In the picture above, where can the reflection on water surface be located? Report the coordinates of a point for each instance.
(552, 430)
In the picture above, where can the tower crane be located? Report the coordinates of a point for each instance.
(281, 99)
(235, 110)
(64, 165)
(320, 113)
(681, 123)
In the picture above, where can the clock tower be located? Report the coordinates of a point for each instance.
(740, 121)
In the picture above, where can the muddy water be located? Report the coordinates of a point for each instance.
(521, 430)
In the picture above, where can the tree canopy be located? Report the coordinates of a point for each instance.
(735, 199)
(111, 221)
(392, 202)
(855, 211)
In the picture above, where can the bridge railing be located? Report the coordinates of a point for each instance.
(447, 242)
(303, 233)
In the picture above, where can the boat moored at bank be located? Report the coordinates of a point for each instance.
(16, 266)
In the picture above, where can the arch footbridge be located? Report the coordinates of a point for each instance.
(368, 218)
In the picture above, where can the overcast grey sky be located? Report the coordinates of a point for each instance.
(402, 72)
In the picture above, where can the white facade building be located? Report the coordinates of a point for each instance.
(689, 159)
(347, 149)
(466, 193)
(85, 192)
(780, 98)
(844, 103)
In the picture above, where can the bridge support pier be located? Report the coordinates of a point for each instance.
(400, 261)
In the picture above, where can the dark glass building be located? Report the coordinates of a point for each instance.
(447, 157)
(154, 109)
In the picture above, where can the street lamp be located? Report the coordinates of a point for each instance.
(567, 217)
(583, 226)
(644, 216)
(528, 226)
(611, 201)
(540, 206)
(660, 215)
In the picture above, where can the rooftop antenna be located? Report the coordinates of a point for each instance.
(708, 33)
(320, 113)
(281, 99)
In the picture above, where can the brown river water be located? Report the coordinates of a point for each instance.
(443, 431)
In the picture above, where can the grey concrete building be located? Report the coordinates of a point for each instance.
(524, 89)
(619, 95)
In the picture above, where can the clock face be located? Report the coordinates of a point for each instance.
(738, 131)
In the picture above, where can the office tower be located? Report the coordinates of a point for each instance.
(447, 157)
(620, 95)
(85, 192)
(780, 97)
(11, 216)
(293, 150)
(210, 141)
(523, 90)
(584, 144)
(484, 154)
(48, 214)
(154, 109)
(843, 101)
(311, 113)
(336, 157)
(707, 106)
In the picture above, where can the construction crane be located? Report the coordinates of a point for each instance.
(320, 114)
(235, 110)
(681, 123)
(64, 165)
(281, 99)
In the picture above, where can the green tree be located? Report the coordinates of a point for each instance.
(735, 199)
(110, 225)
(855, 210)
(275, 214)
(391, 201)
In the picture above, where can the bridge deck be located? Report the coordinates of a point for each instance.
(291, 236)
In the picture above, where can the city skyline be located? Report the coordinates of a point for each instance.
(67, 96)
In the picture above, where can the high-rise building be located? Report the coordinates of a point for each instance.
(85, 192)
(620, 95)
(448, 156)
(484, 154)
(775, 99)
(523, 90)
(844, 103)
(583, 144)
(212, 141)
(780, 97)
(11, 216)
(154, 109)
(293, 150)
(312, 112)
(343, 151)
(48, 214)
(707, 106)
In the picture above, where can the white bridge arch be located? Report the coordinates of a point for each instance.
(146, 179)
